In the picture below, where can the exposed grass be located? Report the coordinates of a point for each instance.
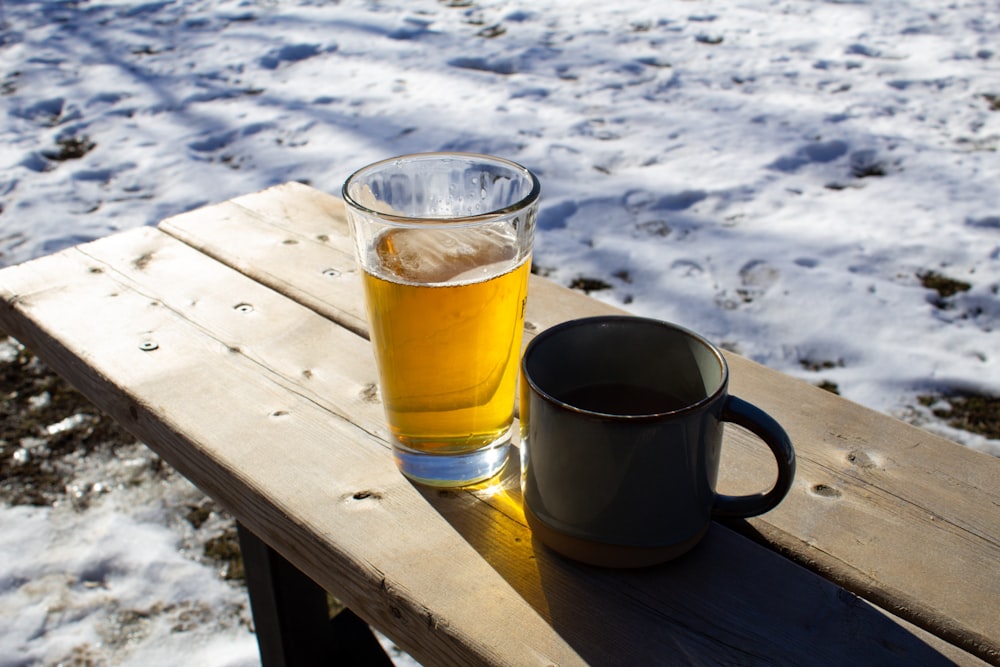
(945, 287)
(975, 413)
(817, 365)
(588, 285)
(70, 148)
(225, 549)
(831, 387)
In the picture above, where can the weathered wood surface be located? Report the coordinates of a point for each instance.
(904, 518)
(271, 409)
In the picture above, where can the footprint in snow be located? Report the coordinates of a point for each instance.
(525, 61)
(989, 222)
(817, 152)
(412, 29)
(557, 215)
(220, 140)
(49, 112)
(292, 53)
(686, 268)
(503, 66)
(214, 142)
(756, 277)
(759, 274)
(636, 201)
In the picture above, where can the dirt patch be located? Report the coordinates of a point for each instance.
(975, 413)
(46, 427)
(588, 285)
(225, 550)
(70, 148)
(944, 286)
(829, 386)
(49, 432)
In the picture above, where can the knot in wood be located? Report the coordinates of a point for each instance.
(860, 459)
(142, 260)
(825, 491)
(370, 393)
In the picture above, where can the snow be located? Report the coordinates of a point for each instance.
(776, 175)
(116, 583)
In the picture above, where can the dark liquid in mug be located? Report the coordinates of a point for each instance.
(621, 399)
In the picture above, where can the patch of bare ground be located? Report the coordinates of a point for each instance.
(968, 411)
(49, 433)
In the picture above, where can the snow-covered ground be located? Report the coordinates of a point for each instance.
(813, 184)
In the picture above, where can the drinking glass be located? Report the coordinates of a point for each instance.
(444, 243)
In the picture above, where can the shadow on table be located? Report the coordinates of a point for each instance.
(728, 601)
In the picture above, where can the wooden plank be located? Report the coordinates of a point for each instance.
(232, 399)
(247, 402)
(291, 225)
(901, 516)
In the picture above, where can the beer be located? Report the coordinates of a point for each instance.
(446, 309)
(444, 244)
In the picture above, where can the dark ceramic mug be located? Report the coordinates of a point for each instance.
(621, 432)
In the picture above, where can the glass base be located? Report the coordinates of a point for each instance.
(452, 470)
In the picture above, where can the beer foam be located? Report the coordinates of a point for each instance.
(444, 255)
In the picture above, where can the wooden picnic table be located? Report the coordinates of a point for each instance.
(232, 341)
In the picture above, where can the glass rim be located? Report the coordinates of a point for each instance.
(522, 203)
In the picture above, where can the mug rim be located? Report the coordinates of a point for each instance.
(610, 319)
(411, 221)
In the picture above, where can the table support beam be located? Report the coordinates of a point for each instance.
(292, 616)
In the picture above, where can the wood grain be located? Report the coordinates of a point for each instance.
(900, 516)
(272, 409)
(267, 407)
(251, 419)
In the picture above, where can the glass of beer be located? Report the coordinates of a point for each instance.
(444, 244)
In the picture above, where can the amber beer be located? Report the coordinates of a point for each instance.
(444, 244)
(447, 340)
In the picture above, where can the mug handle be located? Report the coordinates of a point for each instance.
(761, 424)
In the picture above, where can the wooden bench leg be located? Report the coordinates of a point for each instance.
(292, 617)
